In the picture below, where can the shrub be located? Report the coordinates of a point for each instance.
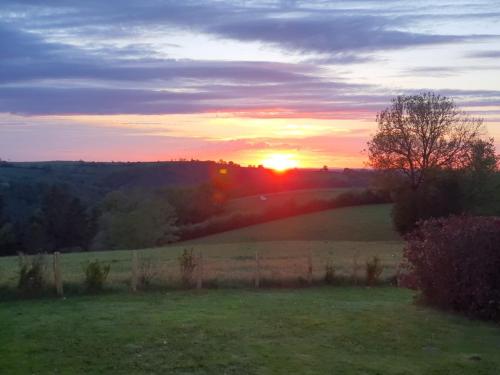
(147, 272)
(31, 274)
(374, 269)
(355, 269)
(330, 273)
(439, 197)
(456, 263)
(96, 274)
(187, 263)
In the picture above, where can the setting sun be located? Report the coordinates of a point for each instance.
(280, 162)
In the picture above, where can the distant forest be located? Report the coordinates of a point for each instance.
(75, 206)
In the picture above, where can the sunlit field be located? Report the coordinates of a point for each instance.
(260, 203)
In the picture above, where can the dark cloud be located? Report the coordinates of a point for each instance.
(485, 54)
(329, 34)
(93, 76)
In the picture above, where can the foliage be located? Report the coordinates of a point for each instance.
(439, 196)
(455, 262)
(147, 271)
(374, 269)
(421, 133)
(195, 204)
(481, 181)
(330, 273)
(7, 232)
(96, 274)
(135, 220)
(31, 274)
(62, 222)
(187, 264)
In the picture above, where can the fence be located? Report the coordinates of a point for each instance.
(137, 270)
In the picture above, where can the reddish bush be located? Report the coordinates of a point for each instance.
(456, 264)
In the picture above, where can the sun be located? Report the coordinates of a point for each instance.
(280, 162)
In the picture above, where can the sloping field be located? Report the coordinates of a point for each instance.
(361, 223)
(260, 203)
(346, 238)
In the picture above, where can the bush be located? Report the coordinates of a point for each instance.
(187, 263)
(455, 263)
(330, 273)
(440, 197)
(31, 274)
(147, 272)
(373, 271)
(96, 275)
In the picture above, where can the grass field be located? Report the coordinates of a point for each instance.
(306, 331)
(317, 330)
(346, 237)
(255, 203)
(361, 223)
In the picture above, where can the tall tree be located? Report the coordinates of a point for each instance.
(62, 220)
(420, 133)
(132, 220)
(7, 235)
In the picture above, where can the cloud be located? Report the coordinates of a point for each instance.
(48, 67)
(333, 34)
(485, 54)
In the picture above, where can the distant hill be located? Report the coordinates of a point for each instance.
(21, 183)
(241, 181)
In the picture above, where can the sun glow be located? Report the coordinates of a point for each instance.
(280, 162)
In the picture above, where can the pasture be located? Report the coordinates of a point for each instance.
(315, 330)
(345, 238)
(257, 204)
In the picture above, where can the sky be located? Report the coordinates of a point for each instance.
(290, 82)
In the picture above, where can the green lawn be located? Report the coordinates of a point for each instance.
(306, 331)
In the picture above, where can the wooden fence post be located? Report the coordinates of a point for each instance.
(257, 269)
(135, 276)
(310, 267)
(199, 271)
(57, 274)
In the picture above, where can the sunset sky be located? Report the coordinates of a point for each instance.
(249, 81)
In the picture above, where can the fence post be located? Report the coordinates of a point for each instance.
(257, 269)
(199, 271)
(310, 267)
(134, 279)
(57, 274)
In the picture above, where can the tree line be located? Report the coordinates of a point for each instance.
(56, 219)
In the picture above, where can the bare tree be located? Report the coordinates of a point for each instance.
(419, 133)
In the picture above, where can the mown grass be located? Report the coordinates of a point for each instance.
(306, 331)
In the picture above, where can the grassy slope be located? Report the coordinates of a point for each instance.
(362, 223)
(254, 203)
(307, 331)
(341, 236)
